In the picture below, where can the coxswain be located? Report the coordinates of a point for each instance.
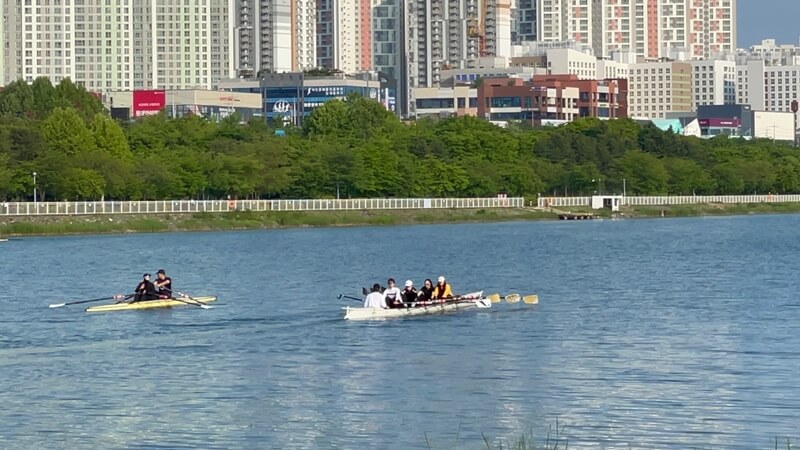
(145, 290)
(163, 284)
(442, 290)
(393, 295)
(375, 299)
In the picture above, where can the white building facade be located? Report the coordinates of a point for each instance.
(127, 45)
(713, 82)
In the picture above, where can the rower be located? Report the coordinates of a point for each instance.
(442, 290)
(375, 299)
(409, 294)
(163, 284)
(145, 290)
(393, 296)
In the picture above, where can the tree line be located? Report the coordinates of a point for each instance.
(359, 149)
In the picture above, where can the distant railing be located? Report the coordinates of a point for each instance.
(216, 206)
(544, 202)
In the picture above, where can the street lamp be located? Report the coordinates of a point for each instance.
(598, 185)
(34, 189)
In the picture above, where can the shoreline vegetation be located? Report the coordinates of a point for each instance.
(18, 226)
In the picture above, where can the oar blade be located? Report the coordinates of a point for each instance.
(58, 305)
(531, 299)
(494, 298)
(483, 303)
(512, 298)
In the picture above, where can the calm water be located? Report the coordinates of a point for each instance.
(668, 333)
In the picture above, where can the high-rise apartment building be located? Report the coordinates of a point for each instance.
(648, 28)
(344, 35)
(275, 36)
(451, 33)
(394, 48)
(163, 44)
(711, 27)
(524, 17)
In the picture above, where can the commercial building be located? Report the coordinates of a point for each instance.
(287, 98)
(445, 102)
(212, 105)
(550, 99)
(128, 45)
(728, 120)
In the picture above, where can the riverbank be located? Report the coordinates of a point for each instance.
(248, 220)
(17, 226)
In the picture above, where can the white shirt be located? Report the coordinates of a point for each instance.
(375, 300)
(392, 293)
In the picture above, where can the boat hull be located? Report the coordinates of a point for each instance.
(148, 304)
(468, 302)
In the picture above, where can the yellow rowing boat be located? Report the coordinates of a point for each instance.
(150, 304)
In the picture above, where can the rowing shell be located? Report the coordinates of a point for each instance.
(150, 304)
(466, 301)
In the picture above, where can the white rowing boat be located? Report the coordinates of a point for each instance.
(467, 301)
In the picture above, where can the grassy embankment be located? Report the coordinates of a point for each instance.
(243, 220)
(711, 209)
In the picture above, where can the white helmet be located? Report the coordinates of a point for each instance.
(441, 279)
(409, 283)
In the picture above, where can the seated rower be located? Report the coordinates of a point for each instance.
(393, 295)
(163, 284)
(145, 290)
(409, 293)
(442, 290)
(375, 299)
(426, 291)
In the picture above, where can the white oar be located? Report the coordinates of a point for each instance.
(115, 297)
(198, 302)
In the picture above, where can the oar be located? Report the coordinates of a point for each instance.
(349, 297)
(115, 297)
(197, 302)
(480, 302)
(531, 299)
(514, 298)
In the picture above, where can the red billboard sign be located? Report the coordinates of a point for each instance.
(720, 123)
(147, 103)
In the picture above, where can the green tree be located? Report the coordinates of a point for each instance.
(16, 99)
(109, 137)
(645, 173)
(65, 131)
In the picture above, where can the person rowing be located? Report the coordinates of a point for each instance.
(426, 291)
(375, 299)
(409, 293)
(163, 284)
(442, 290)
(393, 295)
(145, 290)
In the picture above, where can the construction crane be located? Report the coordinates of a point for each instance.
(476, 28)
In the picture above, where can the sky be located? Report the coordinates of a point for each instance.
(766, 19)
